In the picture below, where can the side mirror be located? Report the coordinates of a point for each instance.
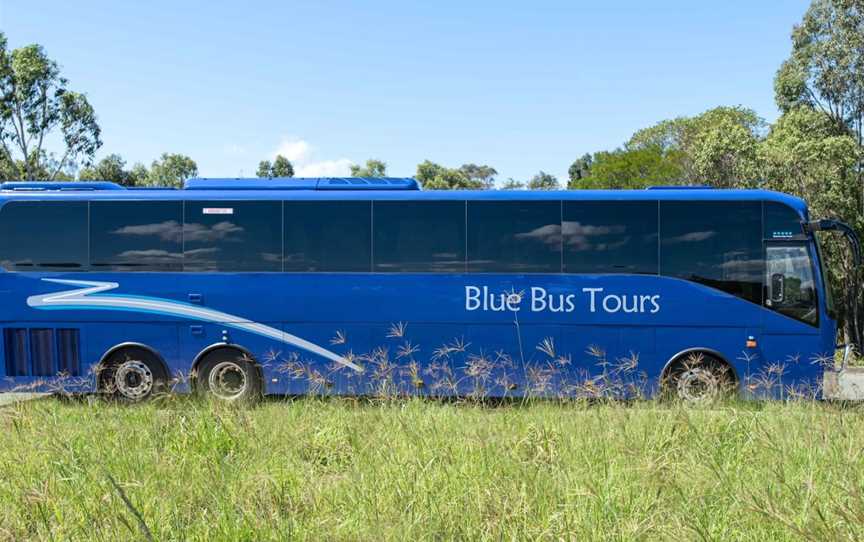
(778, 283)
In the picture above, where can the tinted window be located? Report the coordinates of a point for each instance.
(426, 236)
(782, 222)
(233, 236)
(44, 236)
(718, 244)
(514, 236)
(328, 236)
(136, 235)
(610, 237)
(789, 284)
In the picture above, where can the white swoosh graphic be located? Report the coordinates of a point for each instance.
(84, 298)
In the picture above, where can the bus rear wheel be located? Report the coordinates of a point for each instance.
(133, 375)
(229, 376)
(699, 378)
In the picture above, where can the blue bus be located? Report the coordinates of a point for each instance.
(245, 287)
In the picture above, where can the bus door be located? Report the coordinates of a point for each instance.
(789, 345)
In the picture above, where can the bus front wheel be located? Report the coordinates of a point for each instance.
(229, 376)
(698, 378)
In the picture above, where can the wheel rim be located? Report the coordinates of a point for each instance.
(227, 380)
(698, 385)
(133, 380)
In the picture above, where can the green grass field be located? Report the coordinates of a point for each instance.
(357, 470)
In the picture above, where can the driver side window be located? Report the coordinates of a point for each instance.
(789, 282)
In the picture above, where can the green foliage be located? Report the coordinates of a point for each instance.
(433, 176)
(113, 168)
(579, 169)
(624, 168)
(717, 148)
(35, 104)
(512, 184)
(484, 175)
(373, 168)
(724, 152)
(280, 167)
(170, 170)
(803, 155)
(826, 68)
(543, 181)
(320, 469)
(816, 150)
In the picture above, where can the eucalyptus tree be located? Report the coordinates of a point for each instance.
(280, 167)
(36, 104)
(373, 168)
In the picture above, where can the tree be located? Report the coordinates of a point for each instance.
(170, 170)
(111, 168)
(804, 155)
(723, 152)
(715, 148)
(816, 149)
(826, 68)
(512, 184)
(433, 176)
(484, 175)
(373, 168)
(280, 167)
(579, 169)
(543, 181)
(35, 104)
(138, 174)
(634, 168)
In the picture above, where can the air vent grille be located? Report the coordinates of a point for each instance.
(42, 351)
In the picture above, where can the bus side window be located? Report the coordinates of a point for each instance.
(419, 236)
(136, 235)
(44, 236)
(232, 236)
(333, 236)
(715, 243)
(514, 236)
(610, 237)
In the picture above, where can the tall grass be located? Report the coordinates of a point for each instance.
(417, 469)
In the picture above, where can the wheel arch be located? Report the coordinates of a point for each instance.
(709, 351)
(106, 357)
(217, 347)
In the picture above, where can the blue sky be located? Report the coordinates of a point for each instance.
(521, 86)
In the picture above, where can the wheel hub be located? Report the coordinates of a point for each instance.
(698, 384)
(133, 380)
(227, 380)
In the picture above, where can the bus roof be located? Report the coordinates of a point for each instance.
(383, 188)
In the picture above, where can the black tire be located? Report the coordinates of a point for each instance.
(230, 376)
(133, 375)
(699, 378)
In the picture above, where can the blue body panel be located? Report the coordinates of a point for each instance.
(360, 333)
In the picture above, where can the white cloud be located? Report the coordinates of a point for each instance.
(296, 150)
(326, 168)
(302, 154)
